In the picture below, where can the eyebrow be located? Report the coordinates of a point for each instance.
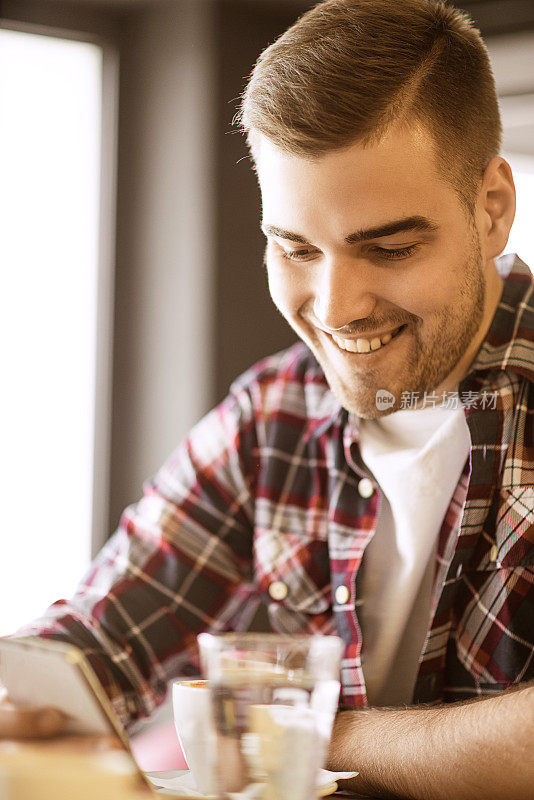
(416, 223)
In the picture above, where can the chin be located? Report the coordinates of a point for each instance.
(373, 413)
(368, 409)
(360, 402)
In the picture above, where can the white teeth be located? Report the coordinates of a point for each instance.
(362, 345)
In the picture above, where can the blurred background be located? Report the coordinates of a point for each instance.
(133, 290)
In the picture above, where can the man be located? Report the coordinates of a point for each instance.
(376, 480)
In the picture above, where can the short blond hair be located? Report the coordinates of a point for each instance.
(346, 70)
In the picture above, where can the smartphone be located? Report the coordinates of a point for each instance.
(43, 672)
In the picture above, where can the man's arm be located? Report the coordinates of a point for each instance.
(466, 751)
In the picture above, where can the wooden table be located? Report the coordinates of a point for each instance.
(70, 768)
(77, 768)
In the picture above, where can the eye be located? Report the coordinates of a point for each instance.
(297, 255)
(394, 253)
(384, 253)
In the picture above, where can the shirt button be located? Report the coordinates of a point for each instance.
(365, 488)
(278, 590)
(342, 594)
(493, 553)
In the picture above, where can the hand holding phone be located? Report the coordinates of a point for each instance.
(52, 688)
(49, 679)
(34, 722)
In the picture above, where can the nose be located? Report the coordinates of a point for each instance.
(342, 294)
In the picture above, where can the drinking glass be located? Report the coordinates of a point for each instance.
(274, 698)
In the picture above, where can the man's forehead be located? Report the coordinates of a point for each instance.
(353, 190)
(390, 177)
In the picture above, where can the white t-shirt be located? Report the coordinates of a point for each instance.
(417, 457)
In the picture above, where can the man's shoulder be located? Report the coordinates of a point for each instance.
(295, 367)
(509, 343)
(289, 381)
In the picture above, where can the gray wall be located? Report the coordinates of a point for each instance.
(248, 325)
(163, 375)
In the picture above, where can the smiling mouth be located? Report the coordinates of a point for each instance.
(366, 345)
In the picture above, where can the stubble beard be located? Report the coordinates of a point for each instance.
(429, 360)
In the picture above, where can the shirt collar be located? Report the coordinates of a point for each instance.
(509, 345)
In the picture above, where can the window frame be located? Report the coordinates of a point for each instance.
(102, 400)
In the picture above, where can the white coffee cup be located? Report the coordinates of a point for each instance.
(193, 719)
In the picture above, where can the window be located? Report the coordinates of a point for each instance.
(53, 375)
(521, 240)
(513, 67)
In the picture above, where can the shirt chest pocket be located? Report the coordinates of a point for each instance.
(292, 571)
(494, 629)
(495, 603)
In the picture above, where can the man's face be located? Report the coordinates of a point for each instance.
(375, 263)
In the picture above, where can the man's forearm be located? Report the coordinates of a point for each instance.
(466, 751)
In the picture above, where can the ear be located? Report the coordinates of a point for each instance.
(495, 207)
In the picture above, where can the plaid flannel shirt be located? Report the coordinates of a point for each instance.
(258, 516)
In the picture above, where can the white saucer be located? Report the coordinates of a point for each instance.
(180, 783)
